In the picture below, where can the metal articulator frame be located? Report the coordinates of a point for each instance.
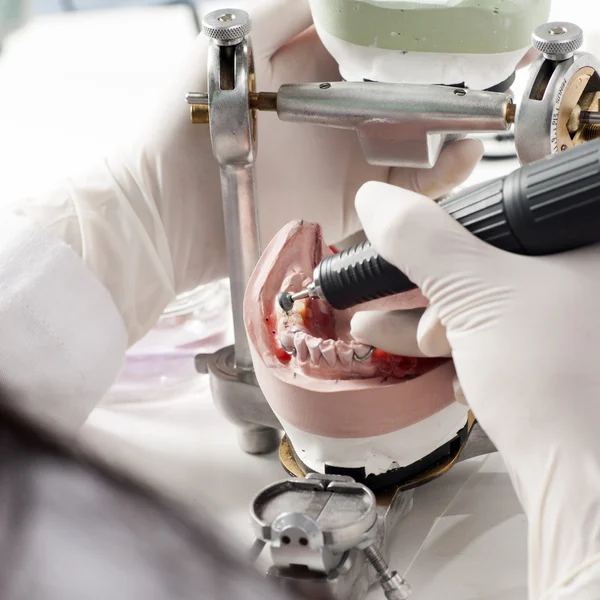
(397, 125)
(231, 80)
(329, 536)
(557, 92)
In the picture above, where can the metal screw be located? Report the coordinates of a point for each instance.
(460, 92)
(589, 117)
(590, 132)
(558, 41)
(227, 27)
(196, 98)
(558, 31)
(394, 586)
(325, 86)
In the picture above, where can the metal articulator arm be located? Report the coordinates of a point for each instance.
(233, 136)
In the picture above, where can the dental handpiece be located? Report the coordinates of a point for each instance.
(547, 207)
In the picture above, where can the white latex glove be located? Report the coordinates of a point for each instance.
(148, 220)
(524, 338)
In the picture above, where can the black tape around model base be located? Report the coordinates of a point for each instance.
(400, 477)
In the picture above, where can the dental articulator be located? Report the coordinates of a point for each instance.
(329, 534)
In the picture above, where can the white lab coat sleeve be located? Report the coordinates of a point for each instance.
(583, 584)
(63, 340)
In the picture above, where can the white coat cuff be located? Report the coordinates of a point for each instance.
(63, 340)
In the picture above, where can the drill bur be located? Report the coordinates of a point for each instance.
(286, 300)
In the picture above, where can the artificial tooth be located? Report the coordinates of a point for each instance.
(300, 346)
(286, 340)
(300, 307)
(328, 352)
(345, 353)
(363, 352)
(314, 348)
(294, 318)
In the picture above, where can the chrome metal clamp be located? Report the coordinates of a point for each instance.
(398, 125)
(328, 538)
(233, 136)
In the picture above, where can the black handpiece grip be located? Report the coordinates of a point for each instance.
(357, 275)
(547, 207)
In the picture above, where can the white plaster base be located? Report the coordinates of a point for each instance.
(380, 453)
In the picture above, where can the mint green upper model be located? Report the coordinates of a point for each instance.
(440, 26)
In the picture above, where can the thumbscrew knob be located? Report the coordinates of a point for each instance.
(227, 26)
(558, 41)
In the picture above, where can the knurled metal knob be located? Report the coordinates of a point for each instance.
(558, 40)
(227, 26)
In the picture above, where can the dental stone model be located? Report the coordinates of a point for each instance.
(345, 407)
(452, 42)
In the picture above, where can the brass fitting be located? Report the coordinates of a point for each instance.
(199, 114)
(590, 132)
(266, 101)
(511, 112)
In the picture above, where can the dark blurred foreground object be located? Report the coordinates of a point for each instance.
(72, 528)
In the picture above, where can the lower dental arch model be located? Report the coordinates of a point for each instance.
(345, 407)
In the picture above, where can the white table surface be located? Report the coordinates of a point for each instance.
(465, 538)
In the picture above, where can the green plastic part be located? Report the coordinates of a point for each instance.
(458, 27)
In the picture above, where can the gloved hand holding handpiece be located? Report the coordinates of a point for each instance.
(523, 338)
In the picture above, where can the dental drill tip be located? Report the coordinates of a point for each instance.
(301, 295)
(285, 301)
